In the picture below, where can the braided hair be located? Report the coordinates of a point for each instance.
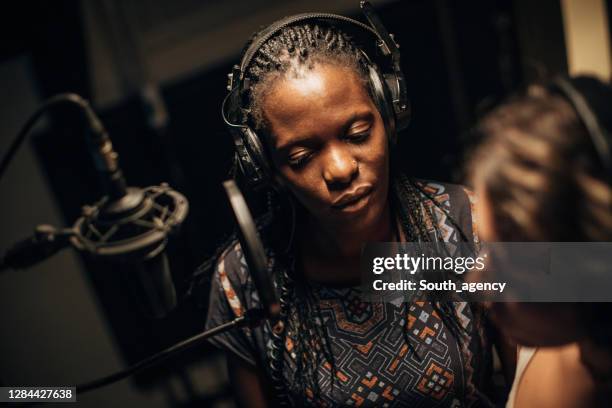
(290, 53)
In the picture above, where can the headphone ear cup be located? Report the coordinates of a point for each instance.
(382, 99)
(250, 156)
(402, 108)
(257, 155)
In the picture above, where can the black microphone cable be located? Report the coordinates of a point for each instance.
(64, 98)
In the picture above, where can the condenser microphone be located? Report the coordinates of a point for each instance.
(131, 234)
(253, 250)
(128, 229)
(130, 226)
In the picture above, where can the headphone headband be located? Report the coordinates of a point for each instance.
(287, 21)
(384, 41)
(592, 102)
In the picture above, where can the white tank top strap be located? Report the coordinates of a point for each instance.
(524, 357)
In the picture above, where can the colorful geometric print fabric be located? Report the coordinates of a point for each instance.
(385, 355)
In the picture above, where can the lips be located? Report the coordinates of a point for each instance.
(352, 197)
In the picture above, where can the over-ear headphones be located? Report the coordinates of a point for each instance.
(592, 102)
(388, 88)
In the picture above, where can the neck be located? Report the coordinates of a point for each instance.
(331, 254)
(347, 240)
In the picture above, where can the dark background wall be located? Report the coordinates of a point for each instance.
(156, 73)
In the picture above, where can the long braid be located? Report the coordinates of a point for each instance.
(277, 350)
(415, 219)
(447, 308)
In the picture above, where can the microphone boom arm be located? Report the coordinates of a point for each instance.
(251, 318)
(44, 243)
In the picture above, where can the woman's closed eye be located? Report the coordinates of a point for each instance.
(299, 159)
(358, 137)
(359, 132)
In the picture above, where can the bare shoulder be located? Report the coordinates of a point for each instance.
(555, 377)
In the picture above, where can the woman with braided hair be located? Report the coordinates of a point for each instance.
(337, 187)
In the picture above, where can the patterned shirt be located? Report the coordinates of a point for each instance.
(385, 354)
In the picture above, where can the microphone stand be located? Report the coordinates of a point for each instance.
(46, 241)
(252, 318)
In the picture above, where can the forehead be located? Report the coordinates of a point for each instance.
(315, 102)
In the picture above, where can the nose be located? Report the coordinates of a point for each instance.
(340, 167)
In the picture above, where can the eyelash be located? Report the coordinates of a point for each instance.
(359, 137)
(301, 160)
